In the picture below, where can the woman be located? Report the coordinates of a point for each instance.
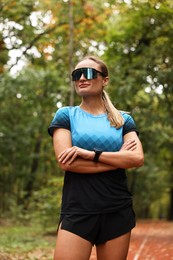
(94, 143)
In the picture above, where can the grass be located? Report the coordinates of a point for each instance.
(26, 242)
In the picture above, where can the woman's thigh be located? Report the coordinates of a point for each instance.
(115, 249)
(71, 247)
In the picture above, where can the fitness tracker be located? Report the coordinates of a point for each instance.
(97, 154)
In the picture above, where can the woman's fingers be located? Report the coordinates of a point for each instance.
(132, 145)
(129, 145)
(69, 155)
(73, 158)
(66, 155)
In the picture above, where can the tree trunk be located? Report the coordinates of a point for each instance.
(32, 177)
(71, 29)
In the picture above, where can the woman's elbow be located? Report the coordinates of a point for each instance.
(63, 166)
(59, 164)
(140, 160)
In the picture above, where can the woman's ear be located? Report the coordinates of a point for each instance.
(105, 81)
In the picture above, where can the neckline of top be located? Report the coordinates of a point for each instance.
(84, 111)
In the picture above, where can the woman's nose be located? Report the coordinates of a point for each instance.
(82, 77)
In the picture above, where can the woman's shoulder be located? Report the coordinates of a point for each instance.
(129, 123)
(60, 120)
(126, 115)
(67, 108)
(64, 110)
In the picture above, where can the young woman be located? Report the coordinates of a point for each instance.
(94, 143)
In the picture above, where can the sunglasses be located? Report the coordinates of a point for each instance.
(89, 73)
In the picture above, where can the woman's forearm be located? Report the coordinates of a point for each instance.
(130, 155)
(81, 165)
(123, 159)
(76, 159)
(107, 161)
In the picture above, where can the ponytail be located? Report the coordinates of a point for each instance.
(114, 116)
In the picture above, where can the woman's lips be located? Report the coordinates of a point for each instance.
(83, 85)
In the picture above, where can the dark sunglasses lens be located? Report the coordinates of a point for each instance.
(89, 73)
(76, 74)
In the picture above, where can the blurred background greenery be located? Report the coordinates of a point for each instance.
(40, 42)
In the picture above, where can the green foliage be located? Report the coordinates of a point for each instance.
(26, 146)
(46, 201)
(139, 52)
(29, 241)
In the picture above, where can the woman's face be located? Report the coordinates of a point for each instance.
(90, 87)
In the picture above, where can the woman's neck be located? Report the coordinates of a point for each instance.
(94, 106)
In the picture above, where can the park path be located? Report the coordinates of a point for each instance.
(151, 240)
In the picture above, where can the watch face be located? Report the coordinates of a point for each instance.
(97, 150)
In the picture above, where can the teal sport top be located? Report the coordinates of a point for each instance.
(100, 192)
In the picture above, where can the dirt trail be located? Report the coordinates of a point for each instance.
(151, 240)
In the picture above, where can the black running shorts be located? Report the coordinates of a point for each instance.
(99, 228)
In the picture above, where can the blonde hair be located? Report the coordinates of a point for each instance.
(114, 116)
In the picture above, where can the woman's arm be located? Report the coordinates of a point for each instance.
(81, 160)
(125, 158)
(62, 142)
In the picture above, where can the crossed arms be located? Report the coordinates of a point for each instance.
(75, 159)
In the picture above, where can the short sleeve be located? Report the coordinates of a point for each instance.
(60, 120)
(129, 124)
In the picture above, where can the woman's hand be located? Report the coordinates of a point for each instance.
(129, 145)
(70, 154)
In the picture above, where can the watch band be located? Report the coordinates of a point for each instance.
(97, 154)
